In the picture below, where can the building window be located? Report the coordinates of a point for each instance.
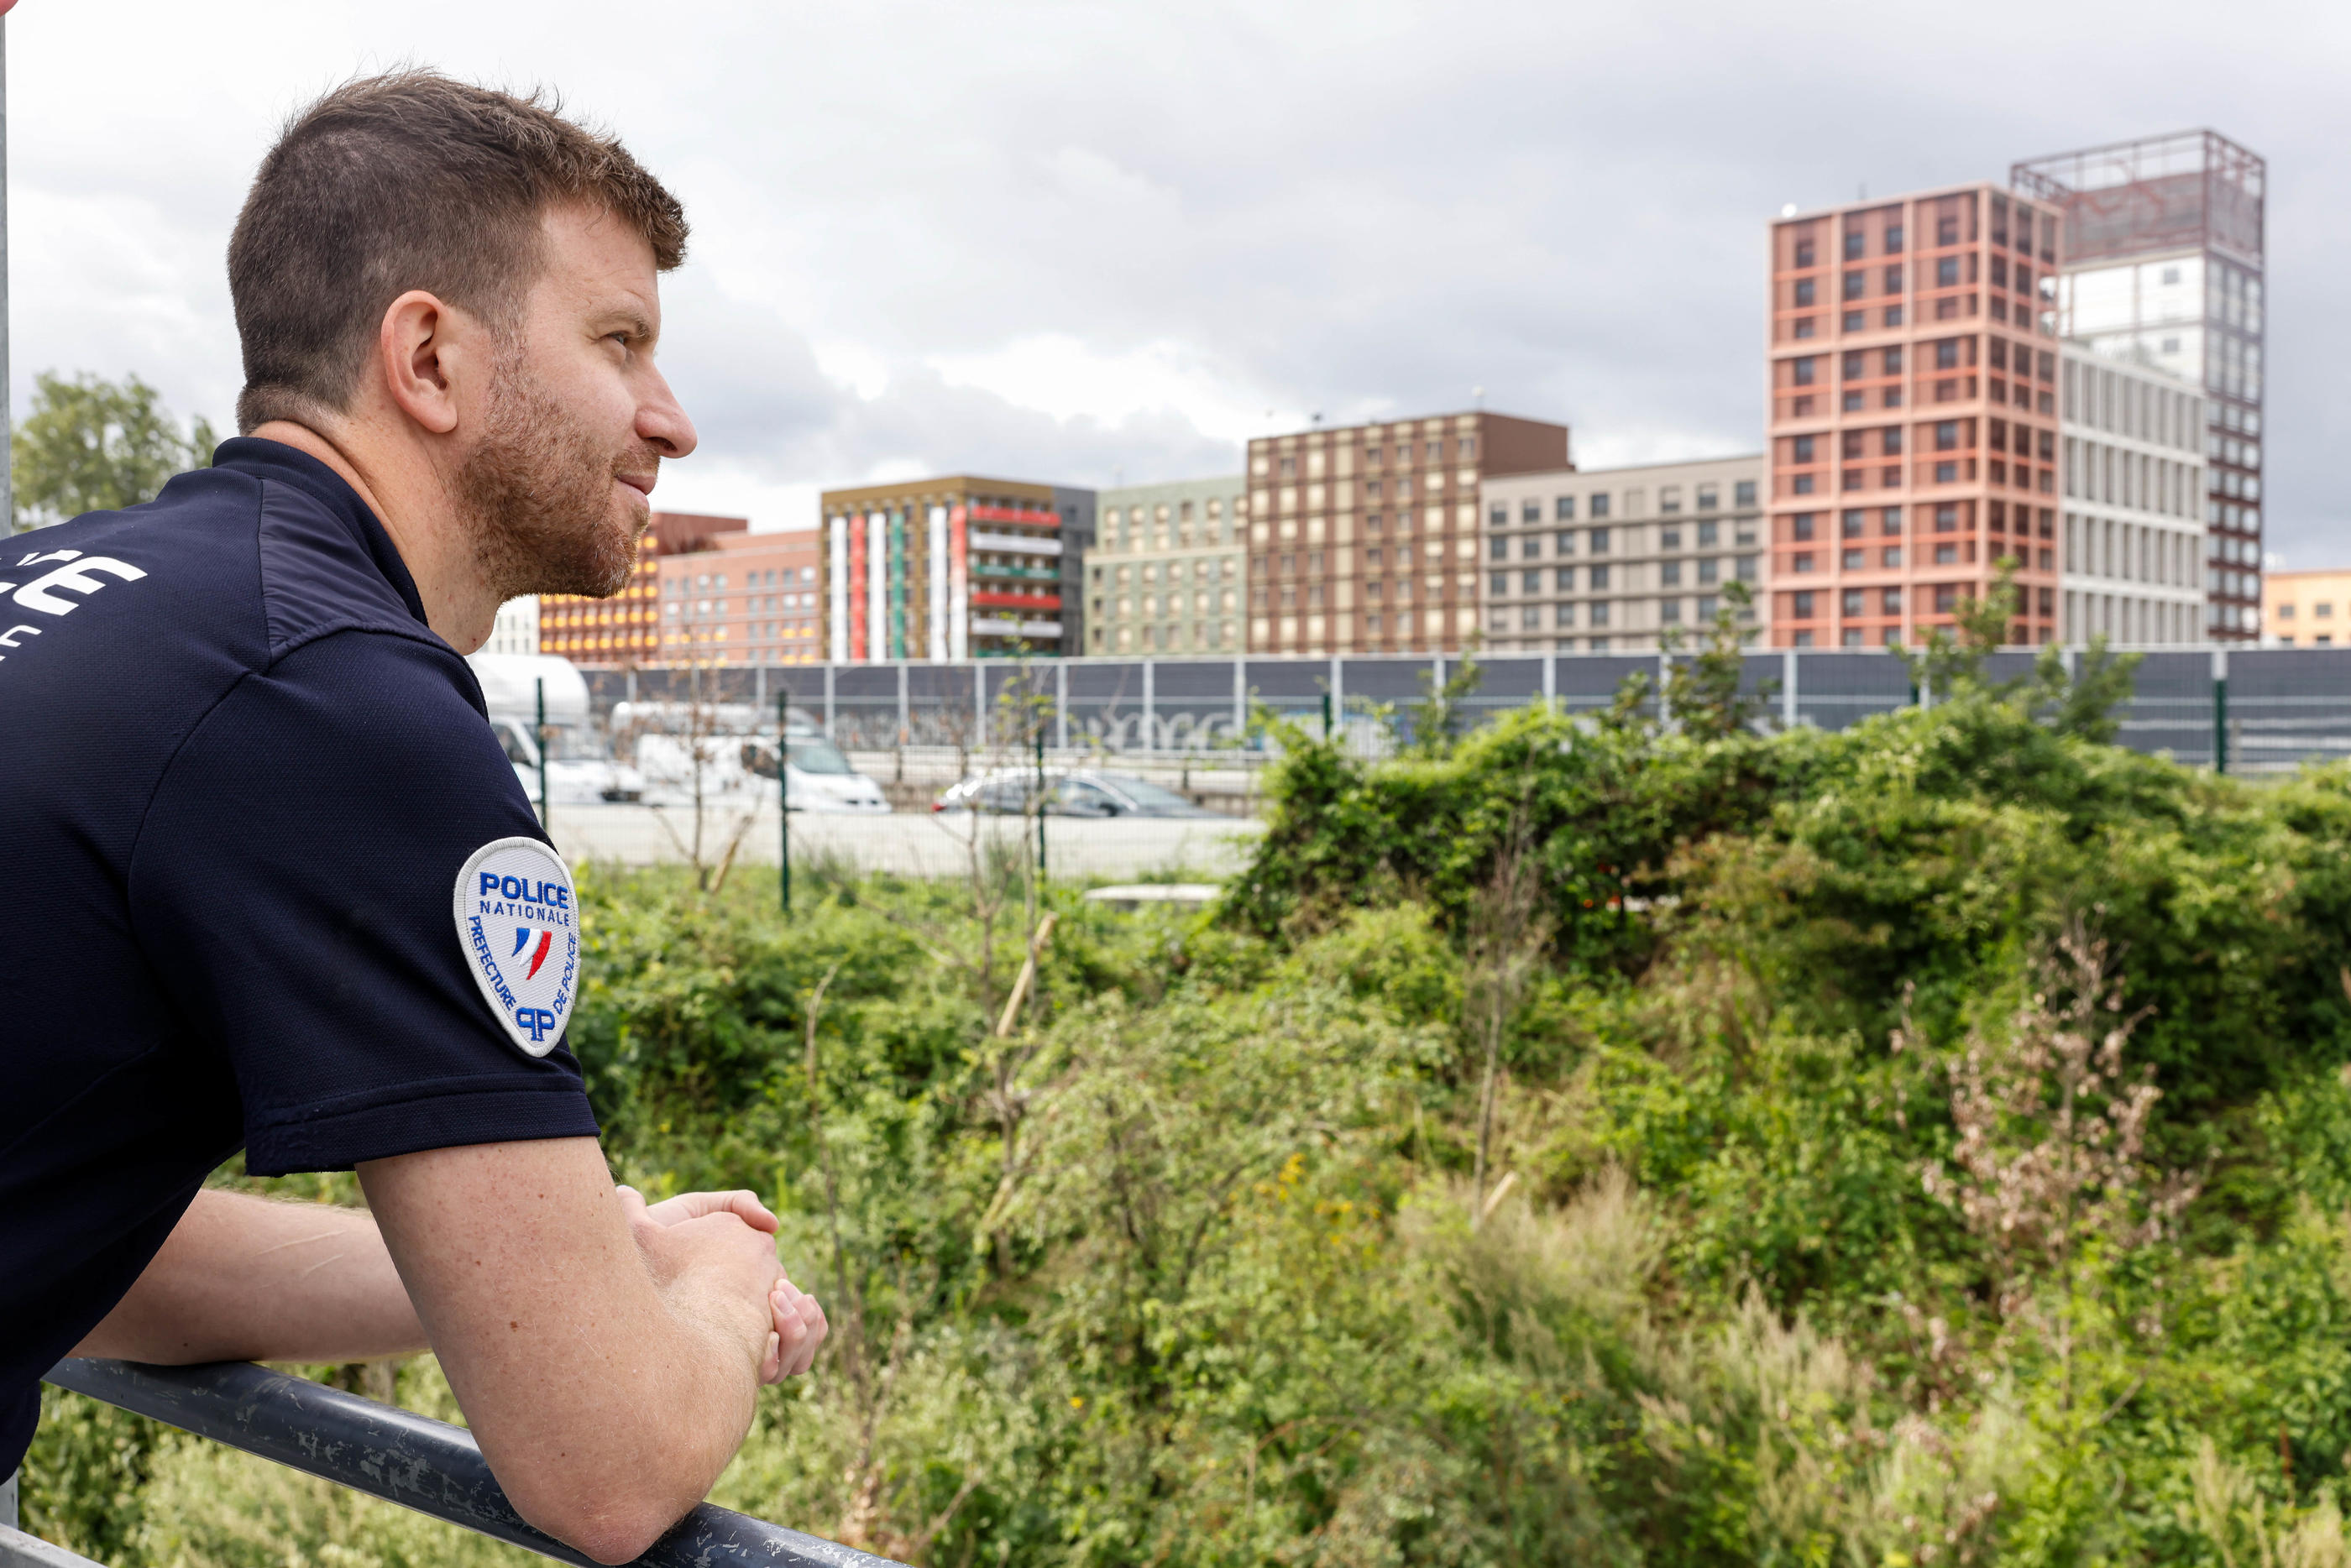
(1669, 574)
(1853, 601)
(1709, 499)
(1599, 536)
(1564, 510)
(1600, 509)
(1803, 292)
(1564, 615)
(1596, 577)
(1565, 579)
(1531, 582)
(1498, 516)
(1802, 372)
(1708, 570)
(1744, 492)
(1947, 354)
(1800, 606)
(1530, 547)
(1707, 534)
(1563, 543)
(1669, 611)
(1500, 584)
(1801, 524)
(1499, 547)
(1600, 612)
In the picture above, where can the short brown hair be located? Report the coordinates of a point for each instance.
(402, 182)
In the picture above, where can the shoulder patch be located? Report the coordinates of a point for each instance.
(519, 925)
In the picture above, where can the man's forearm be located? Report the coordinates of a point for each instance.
(243, 1279)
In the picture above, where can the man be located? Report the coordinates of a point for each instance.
(271, 882)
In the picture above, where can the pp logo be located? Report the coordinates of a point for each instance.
(519, 925)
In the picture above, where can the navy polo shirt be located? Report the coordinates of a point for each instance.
(239, 777)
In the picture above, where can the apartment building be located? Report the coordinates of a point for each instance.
(625, 630)
(1612, 560)
(953, 567)
(1366, 538)
(743, 598)
(516, 630)
(1914, 415)
(2132, 468)
(2163, 265)
(2306, 610)
(1166, 573)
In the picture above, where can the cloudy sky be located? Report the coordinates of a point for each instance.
(1110, 241)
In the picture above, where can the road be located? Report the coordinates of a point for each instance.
(907, 844)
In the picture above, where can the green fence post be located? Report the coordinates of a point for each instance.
(545, 801)
(2219, 713)
(783, 797)
(1040, 807)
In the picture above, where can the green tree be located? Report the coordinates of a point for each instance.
(94, 446)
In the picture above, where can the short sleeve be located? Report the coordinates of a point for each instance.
(293, 887)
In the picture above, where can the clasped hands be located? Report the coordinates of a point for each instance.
(728, 1239)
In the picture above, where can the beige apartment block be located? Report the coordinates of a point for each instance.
(1612, 560)
(2133, 479)
(2306, 610)
(1166, 571)
(1366, 539)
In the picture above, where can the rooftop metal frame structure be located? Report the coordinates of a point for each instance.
(2189, 189)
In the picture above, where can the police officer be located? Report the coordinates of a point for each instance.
(271, 883)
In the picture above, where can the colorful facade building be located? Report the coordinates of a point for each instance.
(1615, 560)
(952, 568)
(744, 598)
(625, 630)
(1168, 569)
(1368, 538)
(1914, 412)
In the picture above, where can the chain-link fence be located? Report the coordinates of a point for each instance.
(2250, 710)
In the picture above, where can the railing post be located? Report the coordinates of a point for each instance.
(903, 717)
(1551, 681)
(1788, 688)
(830, 732)
(1240, 697)
(1062, 705)
(1150, 718)
(2220, 709)
(1337, 713)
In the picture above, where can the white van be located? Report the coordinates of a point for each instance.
(580, 770)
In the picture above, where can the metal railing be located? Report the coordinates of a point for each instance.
(396, 1455)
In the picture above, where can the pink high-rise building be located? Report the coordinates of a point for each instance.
(1914, 415)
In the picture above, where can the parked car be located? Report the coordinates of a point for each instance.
(817, 776)
(1069, 791)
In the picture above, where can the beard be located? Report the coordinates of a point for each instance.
(538, 492)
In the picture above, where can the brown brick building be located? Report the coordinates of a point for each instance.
(1368, 538)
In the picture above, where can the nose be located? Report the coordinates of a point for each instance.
(662, 420)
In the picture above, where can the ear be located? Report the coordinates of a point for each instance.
(426, 347)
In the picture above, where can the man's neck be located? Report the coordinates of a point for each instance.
(412, 502)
